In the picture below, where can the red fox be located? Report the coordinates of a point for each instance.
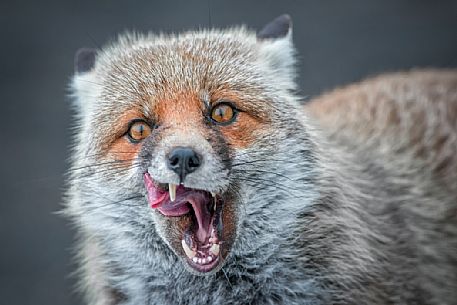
(199, 177)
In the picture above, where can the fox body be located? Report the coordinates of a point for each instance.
(200, 178)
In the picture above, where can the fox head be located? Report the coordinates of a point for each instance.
(190, 148)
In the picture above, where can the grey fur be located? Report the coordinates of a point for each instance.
(319, 221)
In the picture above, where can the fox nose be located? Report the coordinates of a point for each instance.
(183, 161)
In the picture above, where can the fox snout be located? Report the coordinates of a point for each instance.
(183, 161)
(188, 159)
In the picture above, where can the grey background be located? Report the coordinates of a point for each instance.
(338, 42)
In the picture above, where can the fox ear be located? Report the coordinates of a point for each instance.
(276, 49)
(85, 60)
(278, 28)
(83, 85)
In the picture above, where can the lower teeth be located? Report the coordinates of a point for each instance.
(203, 260)
(191, 254)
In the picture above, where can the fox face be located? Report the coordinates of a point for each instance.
(184, 144)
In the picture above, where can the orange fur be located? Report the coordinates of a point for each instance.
(182, 110)
(242, 133)
(120, 148)
(185, 111)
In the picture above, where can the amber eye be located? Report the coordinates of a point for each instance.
(138, 130)
(223, 113)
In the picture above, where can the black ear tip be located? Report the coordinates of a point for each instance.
(277, 28)
(85, 60)
(284, 18)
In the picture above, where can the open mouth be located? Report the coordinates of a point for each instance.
(200, 240)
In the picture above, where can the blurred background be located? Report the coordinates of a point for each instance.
(338, 42)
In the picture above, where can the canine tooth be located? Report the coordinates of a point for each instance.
(172, 191)
(209, 259)
(214, 249)
(190, 254)
(213, 194)
(195, 259)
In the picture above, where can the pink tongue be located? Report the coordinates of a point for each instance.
(155, 196)
(160, 199)
(200, 204)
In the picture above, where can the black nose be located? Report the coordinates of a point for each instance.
(183, 161)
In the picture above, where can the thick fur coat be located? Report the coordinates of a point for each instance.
(350, 199)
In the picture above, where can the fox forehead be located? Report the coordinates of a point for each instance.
(147, 68)
(156, 67)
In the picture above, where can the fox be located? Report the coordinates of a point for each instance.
(199, 175)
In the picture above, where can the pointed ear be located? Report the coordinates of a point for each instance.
(278, 28)
(276, 49)
(83, 85)
(85, 60)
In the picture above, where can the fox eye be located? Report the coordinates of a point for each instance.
(223, 113)
(138, 130)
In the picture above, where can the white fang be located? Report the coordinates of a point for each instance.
(190, 254)
(172, 191)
